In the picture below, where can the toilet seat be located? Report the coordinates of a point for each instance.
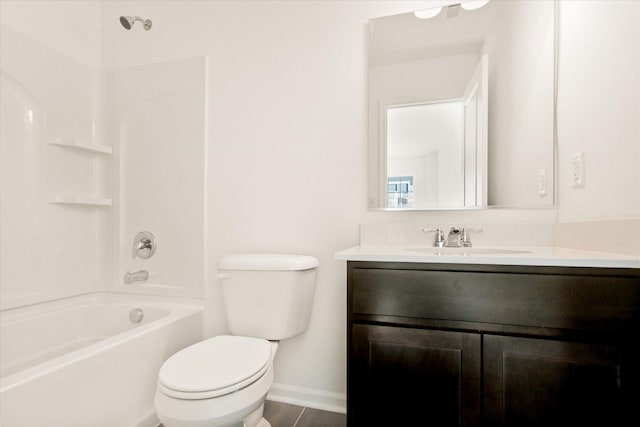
(215, 367)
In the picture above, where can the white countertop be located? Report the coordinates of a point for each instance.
(540, 256)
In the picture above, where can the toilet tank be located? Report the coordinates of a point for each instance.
(267, 295)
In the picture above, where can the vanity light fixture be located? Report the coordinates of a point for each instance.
(428, 13)
(473, 4)
(435, 11)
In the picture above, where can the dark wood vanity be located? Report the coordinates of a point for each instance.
(492, 345)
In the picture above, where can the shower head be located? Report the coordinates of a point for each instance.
(128, 21)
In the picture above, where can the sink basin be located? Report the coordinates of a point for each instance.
(468, 251)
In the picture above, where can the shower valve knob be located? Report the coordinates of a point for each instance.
(144, 245)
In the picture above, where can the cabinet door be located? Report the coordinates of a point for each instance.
(402, 376)
(534, 382)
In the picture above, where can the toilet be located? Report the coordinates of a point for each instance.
(224, 380)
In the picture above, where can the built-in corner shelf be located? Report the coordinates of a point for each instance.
(69, 199)
(71, 142)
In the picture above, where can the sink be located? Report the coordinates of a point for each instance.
(468, 251)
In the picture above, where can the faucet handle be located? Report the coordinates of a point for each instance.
(466, 238)
(439, 240)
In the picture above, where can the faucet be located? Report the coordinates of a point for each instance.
(131, 277)
(460, 238)
(454, 238)
(457, 237)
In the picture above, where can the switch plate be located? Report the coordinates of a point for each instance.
(542, 182)
(577, 169)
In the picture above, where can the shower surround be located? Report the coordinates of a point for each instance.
(90, 157)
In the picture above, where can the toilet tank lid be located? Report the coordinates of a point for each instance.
(267, 262)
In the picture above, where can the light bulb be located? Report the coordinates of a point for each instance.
(473, 4)
(428, 13)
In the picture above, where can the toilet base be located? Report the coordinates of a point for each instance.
(261, 423)
(255, 419)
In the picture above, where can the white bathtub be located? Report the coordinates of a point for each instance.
(81, 362)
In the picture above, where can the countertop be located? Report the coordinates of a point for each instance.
(538, 256)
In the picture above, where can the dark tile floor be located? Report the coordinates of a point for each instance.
(285, 415)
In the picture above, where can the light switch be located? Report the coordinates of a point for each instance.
(577, 169)
(542, 182)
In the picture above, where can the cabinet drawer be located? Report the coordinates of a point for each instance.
(566, 301)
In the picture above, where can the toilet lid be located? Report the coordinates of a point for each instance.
(214, 367)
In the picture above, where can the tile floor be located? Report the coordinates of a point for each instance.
(285, 415)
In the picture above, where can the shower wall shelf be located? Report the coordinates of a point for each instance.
(68, 199)
(70, 142)
(74, 199)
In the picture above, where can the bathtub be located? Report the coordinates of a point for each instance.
(82, 362)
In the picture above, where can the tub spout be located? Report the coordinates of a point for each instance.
(131, 277)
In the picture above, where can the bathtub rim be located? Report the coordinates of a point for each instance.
(179, 308)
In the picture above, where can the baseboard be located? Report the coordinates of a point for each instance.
(310, 398)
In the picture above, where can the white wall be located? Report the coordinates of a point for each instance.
(599, 109)
(159, 133)
(50, 90)
(521, 70)
(68, 27)
(599, 115)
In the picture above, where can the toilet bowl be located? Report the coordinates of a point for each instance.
(223, 381)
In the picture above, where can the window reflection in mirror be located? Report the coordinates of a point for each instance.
(492, 69)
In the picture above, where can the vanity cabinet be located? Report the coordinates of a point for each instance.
(486, 345)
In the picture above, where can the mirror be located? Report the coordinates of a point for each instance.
(461, 107)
